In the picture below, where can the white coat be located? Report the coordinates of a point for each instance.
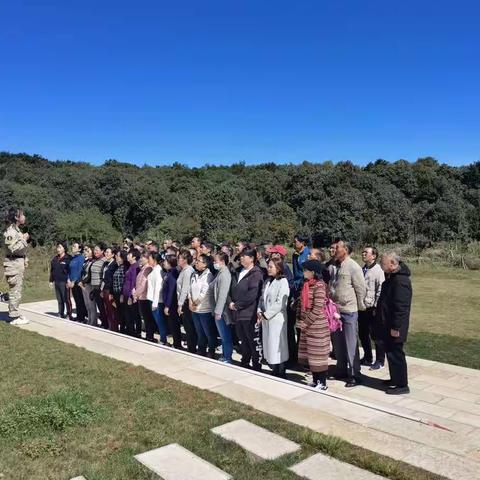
(273, 304)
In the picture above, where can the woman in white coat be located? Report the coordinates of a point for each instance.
(272, 314)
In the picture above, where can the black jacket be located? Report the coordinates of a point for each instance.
(108, 272)
(393, 307)
(246, 293)
(59, 268)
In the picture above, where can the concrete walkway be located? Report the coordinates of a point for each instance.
(398, 427)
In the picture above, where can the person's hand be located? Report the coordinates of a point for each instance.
(394, 333)
(110, 297)
(50, 284)
(166, 310)
(179, 311)
(232, 306)
(129, 302)
(218, 317)
(26, 236)
(154, 309)
(259, 317)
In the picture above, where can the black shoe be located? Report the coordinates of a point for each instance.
(397, 391)
(351, 382)
(365, 362)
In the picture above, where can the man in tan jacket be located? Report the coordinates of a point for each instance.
(347, 290)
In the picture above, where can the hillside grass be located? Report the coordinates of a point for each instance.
(66, 412)
(445, 321)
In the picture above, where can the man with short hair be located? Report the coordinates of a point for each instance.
(374, 277)
(348, 292)
(152, 246)
(393, 314)
(317, 254)
(196, 244)
(239, 248)
(299, 257)
(207, 249)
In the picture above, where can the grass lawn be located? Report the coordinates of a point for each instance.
(65, 412)
(445, 323)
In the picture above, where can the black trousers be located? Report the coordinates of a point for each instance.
(397, 364)
(134, 321)
(79, 304)
(291, 337)
(63, 299)
(366, 331)
(173, 322)
(120, 313)
(145, 307)
(190, 331)
(251, 347)
(101, 307)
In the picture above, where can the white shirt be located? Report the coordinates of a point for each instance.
(243, 272)
(155, 286)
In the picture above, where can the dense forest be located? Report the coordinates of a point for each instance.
(382, 202)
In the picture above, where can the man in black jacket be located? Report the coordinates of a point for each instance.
(245, 292)
(393, 317)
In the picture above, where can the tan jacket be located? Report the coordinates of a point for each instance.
(348, 287)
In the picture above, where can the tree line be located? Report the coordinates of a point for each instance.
(422, 201)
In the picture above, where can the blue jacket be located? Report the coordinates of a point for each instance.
(75, 268)
(298, 259)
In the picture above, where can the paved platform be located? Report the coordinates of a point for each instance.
(398, 427)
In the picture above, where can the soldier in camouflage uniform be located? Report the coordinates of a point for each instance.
(15, 262)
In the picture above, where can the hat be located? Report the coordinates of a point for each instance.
(278, 249)
(313, 266)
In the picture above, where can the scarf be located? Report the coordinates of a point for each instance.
(305, 300)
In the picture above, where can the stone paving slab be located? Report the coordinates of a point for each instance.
(173, 462)
(323, 467)
(256, 440)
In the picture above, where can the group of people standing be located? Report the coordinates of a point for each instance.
(244, 294)
(248, 297)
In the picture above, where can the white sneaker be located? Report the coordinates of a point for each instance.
(321, 386)
(20, 321)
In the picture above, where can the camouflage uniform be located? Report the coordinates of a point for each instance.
(14, 267)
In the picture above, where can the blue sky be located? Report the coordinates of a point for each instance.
(223, 81)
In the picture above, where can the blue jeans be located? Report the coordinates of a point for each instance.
(225, 332)
(161, 322)
(206, 332)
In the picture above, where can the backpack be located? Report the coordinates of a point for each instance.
(333, 315)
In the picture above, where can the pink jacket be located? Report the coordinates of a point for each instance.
(141, 284)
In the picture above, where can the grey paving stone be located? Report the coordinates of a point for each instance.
(321, 467)
(173, 462)
(262, 443)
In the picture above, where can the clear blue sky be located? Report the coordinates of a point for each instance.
(223, 81)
